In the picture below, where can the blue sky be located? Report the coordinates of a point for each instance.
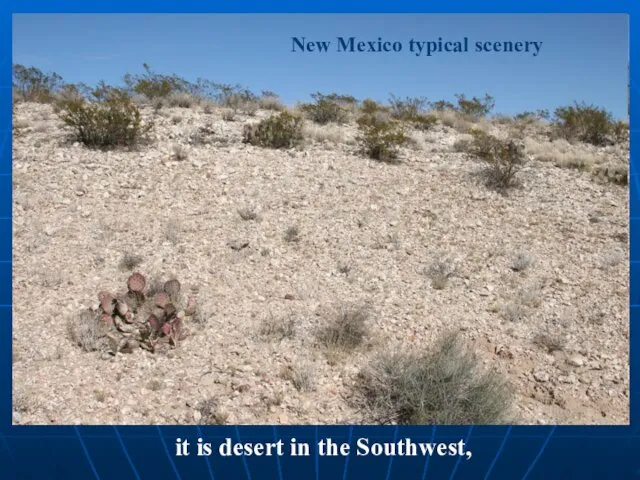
(582, 58)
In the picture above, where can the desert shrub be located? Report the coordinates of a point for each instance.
(475, 107)
(33, 85)
(441, 106)
(407, 108)
(109, 119)
(379, 138)
(269, 100)
(505, 158)
(616, 174)
(620, 131)
(283, 130)
(155, 85)
(302, 376)
(586, 123)
(346, 331)
(369, 106)
(412, 110)
(326, 109)
(444, 385)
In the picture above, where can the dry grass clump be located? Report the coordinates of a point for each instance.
(324, 133)
(550, 342)
(346, 331)
(616, 174)
(302, 376)
(440, 271)
(278, 328)
(211, 414)
(561, 153)
(248, 214)
(292, 234)
(87, 332)
(129, 261)
(179, 152)
(521, 261)
(444, 385)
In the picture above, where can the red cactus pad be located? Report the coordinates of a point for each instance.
(107, 303)
(161, 299)
(102, 294)
(106, 319)
(191, 306)
(166, 329)
(172, 287)
(159, 313)
(154, 323)
(136, 282)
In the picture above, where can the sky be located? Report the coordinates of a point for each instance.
(582, 58)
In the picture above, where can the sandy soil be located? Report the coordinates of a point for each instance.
(368, 231)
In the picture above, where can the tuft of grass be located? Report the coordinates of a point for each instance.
(292, 234)
(550, 342)
(129, 261)
(440, 271)
(248, 214)
(178, 152)
(346, 331)
(444, 385)
(302, 377)
(521, 262)
(87, 332)
(278, 328)
(211, 412)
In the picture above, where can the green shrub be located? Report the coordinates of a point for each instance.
(621, 131)
(326, 109)
(442, 105)
(33, 85)
(369, 107)
(154, 85)
(109, 119)
(282, 130)
(444, 385)
(505, 158)
(586, 123)
(475, 107)
(379, 138)
(407, 108)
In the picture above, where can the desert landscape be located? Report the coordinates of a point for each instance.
(342, 261)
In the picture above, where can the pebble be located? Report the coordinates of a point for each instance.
(541, 376)
(575, 360)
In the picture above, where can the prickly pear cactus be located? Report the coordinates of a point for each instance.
(134, 320)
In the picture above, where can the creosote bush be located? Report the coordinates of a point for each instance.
(110, 119)
(380, 138)
(505, 158)
(475, 107)
(444, 385)
(326, 109)
(32, 85)
(283, 130)
(586, 123)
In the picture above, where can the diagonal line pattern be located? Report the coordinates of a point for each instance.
(542, 449)
(86, 453)
(498, 453)
(166, 450)
(244, 458)
(455, 467)
(126, 453)
(395, 439)
(275, 438)
(207, 457)
(426, 462)
(346, 460)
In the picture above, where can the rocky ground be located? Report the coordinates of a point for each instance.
(547, 263)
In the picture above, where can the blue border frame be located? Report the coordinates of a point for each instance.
(104, 452)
